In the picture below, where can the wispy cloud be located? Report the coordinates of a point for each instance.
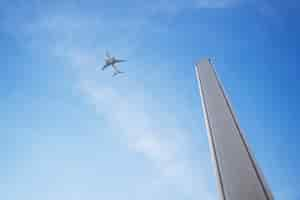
(176, 7)
(217, 3)
(165, 147)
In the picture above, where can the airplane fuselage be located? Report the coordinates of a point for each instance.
(112, 61)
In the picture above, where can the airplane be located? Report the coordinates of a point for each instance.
(112, 61)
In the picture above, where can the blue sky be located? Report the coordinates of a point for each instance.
(69, 131)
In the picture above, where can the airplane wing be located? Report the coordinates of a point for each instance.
(119, 60)
(115, 68)
(105, 66)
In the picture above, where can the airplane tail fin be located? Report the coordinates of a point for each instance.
(118, 72)
(107, 55)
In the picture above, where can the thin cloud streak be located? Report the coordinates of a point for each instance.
(217, 3)
(166, 148)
